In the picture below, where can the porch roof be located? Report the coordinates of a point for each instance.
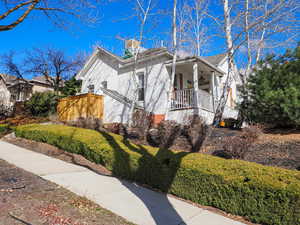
(189, 59)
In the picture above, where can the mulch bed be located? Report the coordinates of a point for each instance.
(29, 199)
(23, 119)
(279, 150)
(55, 152)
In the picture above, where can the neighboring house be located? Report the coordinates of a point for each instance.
(197, 87)
(4, 92)
(18, 89)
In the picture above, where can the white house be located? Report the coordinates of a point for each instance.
(197, 86)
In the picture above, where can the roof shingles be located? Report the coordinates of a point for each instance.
(215, 59)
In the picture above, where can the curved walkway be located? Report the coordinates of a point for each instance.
(133, 202)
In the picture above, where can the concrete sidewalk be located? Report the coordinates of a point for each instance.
(136, 204)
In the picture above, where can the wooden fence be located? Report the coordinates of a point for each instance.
(80, 106)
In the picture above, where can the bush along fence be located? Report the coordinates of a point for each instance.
(266, 195)
(4, 128)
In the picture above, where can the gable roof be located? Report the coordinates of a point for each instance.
(215, 59)
(40, 79)
(211, 61)
(8, 78)
(11, 80)
(144, 55)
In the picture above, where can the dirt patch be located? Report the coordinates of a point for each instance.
(57, 153)
(285, 154)
(280, 149)
(29, 199)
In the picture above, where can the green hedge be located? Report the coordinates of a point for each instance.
(4, 128)
(266, 195)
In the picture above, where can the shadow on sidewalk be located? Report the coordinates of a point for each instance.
(160, 176)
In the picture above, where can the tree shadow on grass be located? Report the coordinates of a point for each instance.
(156, 170)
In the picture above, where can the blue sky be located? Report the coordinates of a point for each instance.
(38, 31)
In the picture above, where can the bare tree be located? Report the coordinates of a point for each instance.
(11, 66)
(278, 26)
(174, 41)
(192, 29)
(248, 24)
(17, 70)
(56, 11)
(232, 69)
(143, 10)
(53, 64)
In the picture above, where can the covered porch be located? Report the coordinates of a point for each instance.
(196, 84)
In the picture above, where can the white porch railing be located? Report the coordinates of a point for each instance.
(183, 99)
(186, 99)
(205, 100)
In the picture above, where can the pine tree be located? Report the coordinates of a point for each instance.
(71, 87)
(272, 94)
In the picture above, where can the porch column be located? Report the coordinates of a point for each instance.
(212, 88)
(195, 84)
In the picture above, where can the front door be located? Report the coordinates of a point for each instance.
(178, 81)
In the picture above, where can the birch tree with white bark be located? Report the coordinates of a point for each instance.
(252, 27)
(174, 41)
(143, 9)
(192, 32)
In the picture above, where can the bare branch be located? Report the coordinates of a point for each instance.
(20, 19)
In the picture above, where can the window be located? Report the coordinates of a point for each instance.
(104, 84)
(141, 87)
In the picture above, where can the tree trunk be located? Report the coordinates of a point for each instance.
(171, 89)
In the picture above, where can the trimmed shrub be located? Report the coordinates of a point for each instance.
(4, 128)
(263, 194)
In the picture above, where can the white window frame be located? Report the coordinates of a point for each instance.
(141, 86)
